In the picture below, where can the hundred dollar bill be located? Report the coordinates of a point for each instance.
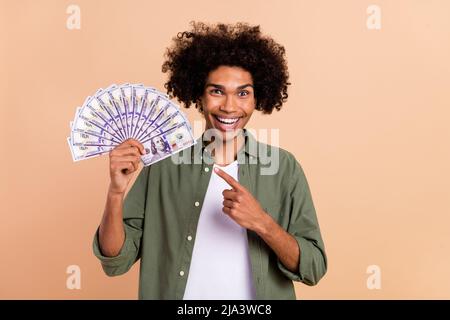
(116, 100)
(86, 152)
(87, 122)
(111, 105)
(165, 109)
(125, 96)
(136, 92)
(142, 99)
(176, 118)
(83, 138)
(99, 110)
(153, 103)
(166, 143)
(92, 112)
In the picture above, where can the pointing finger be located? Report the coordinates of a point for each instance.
(228, 179)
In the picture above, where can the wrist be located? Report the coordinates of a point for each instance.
(115, 194)
(265, 225)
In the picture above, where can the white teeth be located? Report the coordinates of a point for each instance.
(226, 120)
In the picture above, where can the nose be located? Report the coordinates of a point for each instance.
(229, 105)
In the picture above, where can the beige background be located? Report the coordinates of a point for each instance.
(367, 118)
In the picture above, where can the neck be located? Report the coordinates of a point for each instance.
(225, 152)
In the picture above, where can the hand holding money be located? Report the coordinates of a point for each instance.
(123, 162)
(129, 111)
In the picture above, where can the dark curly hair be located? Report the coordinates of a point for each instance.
(204, 48)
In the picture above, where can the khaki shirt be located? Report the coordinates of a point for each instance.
(162, 209)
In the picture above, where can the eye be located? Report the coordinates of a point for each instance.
(243, 93)
(215, 91)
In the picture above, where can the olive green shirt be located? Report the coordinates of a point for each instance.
(162, 209)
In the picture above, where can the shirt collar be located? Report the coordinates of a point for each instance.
(250, 146)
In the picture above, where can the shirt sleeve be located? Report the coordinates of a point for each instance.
(133, 218)
(304, 227)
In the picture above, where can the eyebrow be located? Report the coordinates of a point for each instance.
(219, 86)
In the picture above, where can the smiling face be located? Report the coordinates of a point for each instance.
(228, 100)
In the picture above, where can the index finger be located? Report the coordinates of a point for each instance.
(134, 143)
(229, 179)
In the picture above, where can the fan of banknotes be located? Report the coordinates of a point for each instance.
(120, 112)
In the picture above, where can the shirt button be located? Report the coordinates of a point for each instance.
(206, 169)
(181, 273)
(197, 203)
(189, 238)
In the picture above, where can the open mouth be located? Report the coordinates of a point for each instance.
(226, 123)
(227, 120)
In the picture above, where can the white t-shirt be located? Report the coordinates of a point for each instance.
(220, 266)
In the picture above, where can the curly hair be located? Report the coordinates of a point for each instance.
(195, 53)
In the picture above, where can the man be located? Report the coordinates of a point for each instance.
(215, 227)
